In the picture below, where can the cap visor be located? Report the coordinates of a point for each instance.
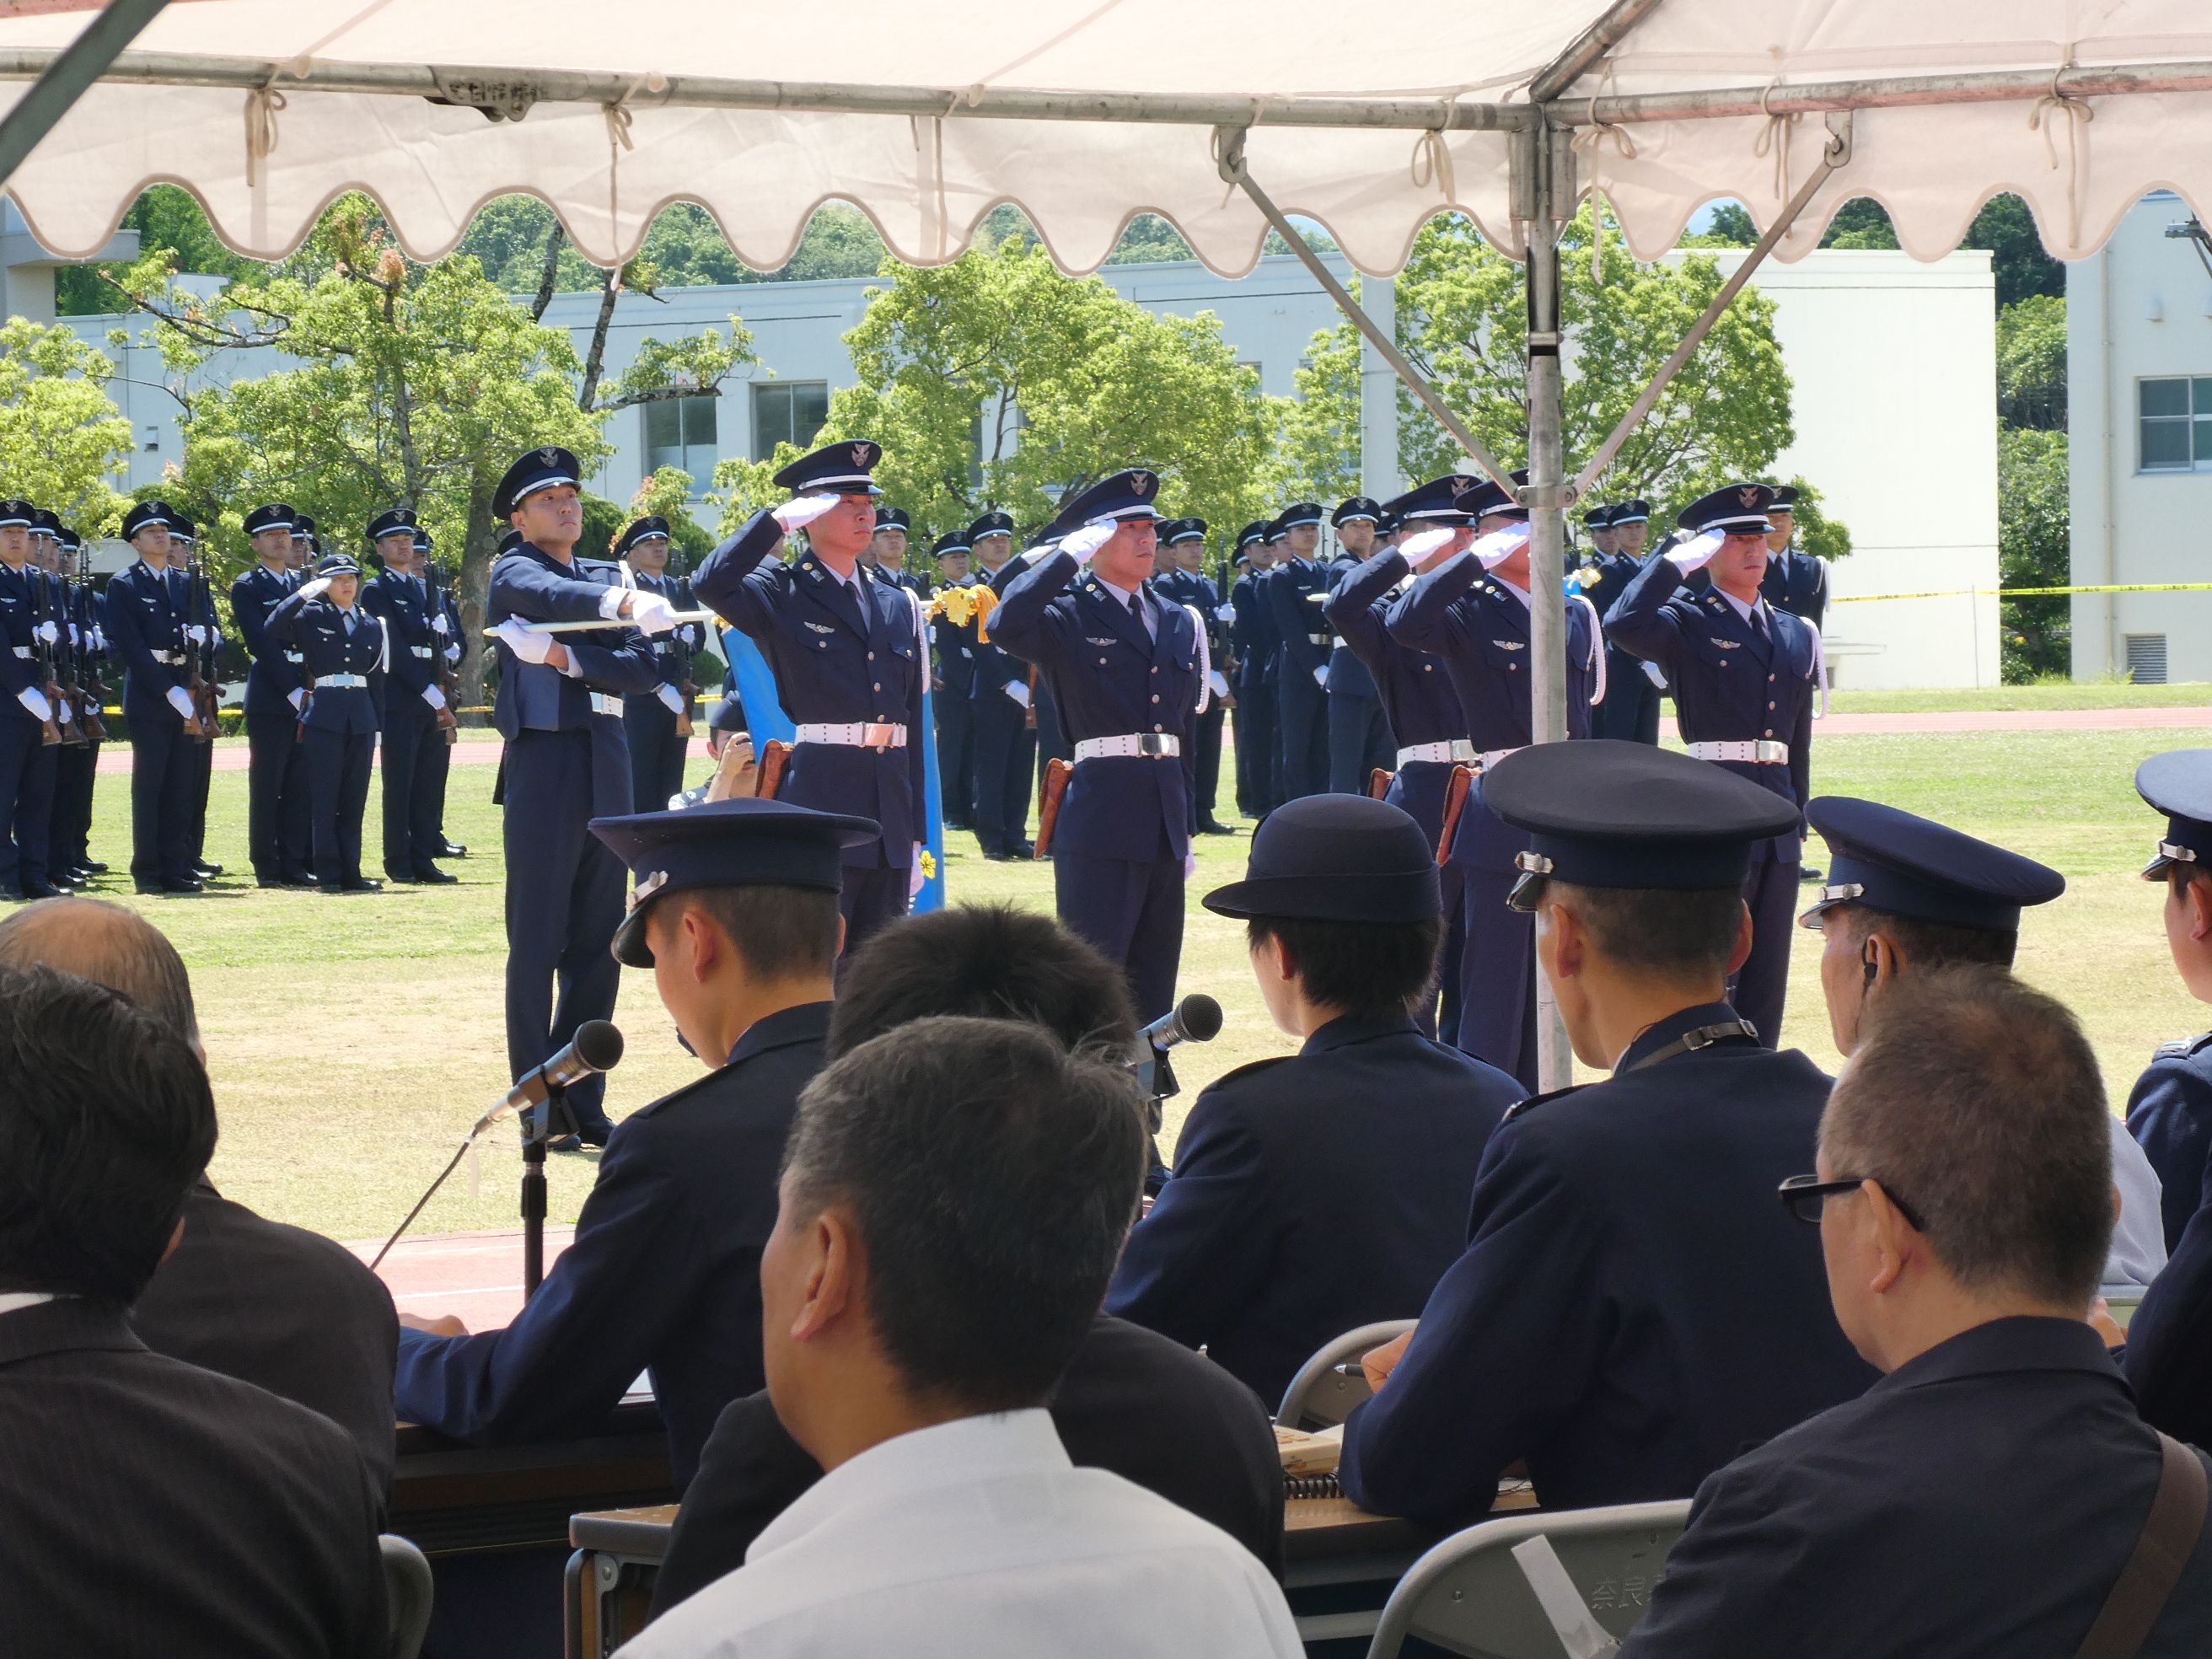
(628, 943)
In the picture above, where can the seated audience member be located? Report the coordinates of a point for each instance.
(1983, 1497)
(148, 1506)
(1632, 1307)
(279, 1307)
(1907, 896)
(953, 1197)
(1132, 1402)
(1326, 1189)
(739, 922)
(2170, 1110)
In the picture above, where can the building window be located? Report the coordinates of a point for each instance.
(789, 412)
(2147, 659)
(680, 432)
(2175, 423)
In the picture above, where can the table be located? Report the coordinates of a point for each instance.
(1339, 1564)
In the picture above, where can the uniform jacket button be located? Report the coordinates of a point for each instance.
(1155, 696)
(1768, 732)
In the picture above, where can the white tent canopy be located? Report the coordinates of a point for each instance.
(1084, 113)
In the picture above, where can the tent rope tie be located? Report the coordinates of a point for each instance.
(2078, 113)
(1774, 139)
(263, 105)
(1596, 132)
(1432, 164)
(933, 156)
(618, 118)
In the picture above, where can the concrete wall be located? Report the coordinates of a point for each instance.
(2139, 308)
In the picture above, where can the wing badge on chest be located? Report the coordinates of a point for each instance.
(1725, 645)
(822, 628)
(1509, 645)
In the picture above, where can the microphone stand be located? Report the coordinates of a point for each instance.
(542, 1123)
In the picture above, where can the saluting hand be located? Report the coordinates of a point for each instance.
(802, 511)
(1379, 1363)
(1697, 553)
(1081, 544)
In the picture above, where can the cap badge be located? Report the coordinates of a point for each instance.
(1142, 479)
(860, 454)
(548, 456)
(1748, 495)
(1461, 484)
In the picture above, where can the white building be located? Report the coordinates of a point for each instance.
(2139, 426)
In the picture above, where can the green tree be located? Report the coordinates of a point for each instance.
(62, 438)
(2004, 229)
(1317, 433)
(2034, 535)
(2032, 363)
(165, 217)
(996, 380)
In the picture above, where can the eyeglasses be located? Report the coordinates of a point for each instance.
(1807, 1195)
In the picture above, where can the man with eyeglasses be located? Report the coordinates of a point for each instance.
(1995, 1492)
(1632, 1307)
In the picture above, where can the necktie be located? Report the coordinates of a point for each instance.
(348, 624)
(1759, 622)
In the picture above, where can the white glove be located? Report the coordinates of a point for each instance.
(196, 634)
(98, 640)
(179, 699)
(1189, 865)
(1018, 691)
(440, 626)
(915, 880)
(1499, 546)
(1321, 675)
(688, 636)
(315, 589)
(298, 694)
(49, 633)
(527, 645)
(672, 697)
(433, 696)
(1697, 553)
(1422, 544)
(651, 612)
(76, 635)
(35, 699)
(1081, 544)
(802, 511)
(66, 713)
(1224, 613)
(453, 653)
(1219, 681)
(1656, 674)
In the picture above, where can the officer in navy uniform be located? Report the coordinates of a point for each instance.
(412, 700)
(341, 645)
(1128, 671)
(2170, 1107)
(657, 749)
(1251, 637)
(1268, 1239)
(1631, 710)
(885, 554)
(1795, 582)
(438, 756)
(1470, 606)
(1632, 1307)
(69, 848)
(1360, 741)
(278, 836)
(1001, 737)
(566, 762)
(953, 649)
(1174, 584)
(197, 599)
(1746, 677)
(1292, 593)
(144, 617)
(851, 658)
(1424, 712)
(27, 767)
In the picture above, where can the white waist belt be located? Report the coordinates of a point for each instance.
(342, 682)
(171, 659)
(1158, 745)
(1319, 639)
(855, 734)
(419, 650)
(1458, 749)
(605, 703)
(295, 656)
(23, 651)
(1762, 751)
(1491, 756)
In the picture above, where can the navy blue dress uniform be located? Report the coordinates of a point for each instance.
(1744, 690)
(278, 836)
(26, 769)
(953, 682)
(1633, 1307)
(341, 651)
(657, 749)
(143, 616)
(1432, 727)
(412, 698)
(1252, 640)
(850, 665)
(196, 597)
(69, 847)
(1292, 593)
(1202, 765)
(1980, 1499)
(1478, 627)
(1796, 581)
(664, 1273)
(437, 762)
(1128, 676)
(2170, 1107)
(1360, 740)
(1002, 741)
(1631, 710)
(565, 763)
(1318, 1192)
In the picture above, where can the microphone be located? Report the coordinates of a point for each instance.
(1196, 1018)
(596, 1046)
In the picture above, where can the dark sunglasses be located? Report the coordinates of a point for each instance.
(1807, 1195)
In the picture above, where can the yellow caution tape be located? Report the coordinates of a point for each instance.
(2026, 593)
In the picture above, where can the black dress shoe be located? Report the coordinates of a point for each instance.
(1002, 857)
(363, 885)
(38, 889)
(1213, 827)
(297, 879)
(1026, 850)
(453, 849)
(1809, 873)
(94, 866)
(187, 884)
(207, 871)
(434, 875)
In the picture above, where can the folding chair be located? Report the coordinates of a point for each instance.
(1321, 1395)
(407, 1589)
(1534, 1586)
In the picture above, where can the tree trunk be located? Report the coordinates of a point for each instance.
(556, 240)
(595, 359)
(480, 542)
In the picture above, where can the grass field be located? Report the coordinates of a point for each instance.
(352, 1041)
(2102, 694)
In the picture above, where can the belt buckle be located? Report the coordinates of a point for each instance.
(1151, 743)
(1770, 752)
(877, 735)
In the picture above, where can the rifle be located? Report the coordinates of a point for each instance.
(55, 729)
(449, 682)
(199, 661)
(92, 694)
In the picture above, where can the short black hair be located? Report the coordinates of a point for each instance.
(778, 933)
(1678, 932)
(1977, 1103)
(1365, 968)
(1929, 944)
(985, 962)
(992, 1175)
(105, 1122)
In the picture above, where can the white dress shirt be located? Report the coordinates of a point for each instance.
(2138, 1248)
(1133, 603)
(979, 1538)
